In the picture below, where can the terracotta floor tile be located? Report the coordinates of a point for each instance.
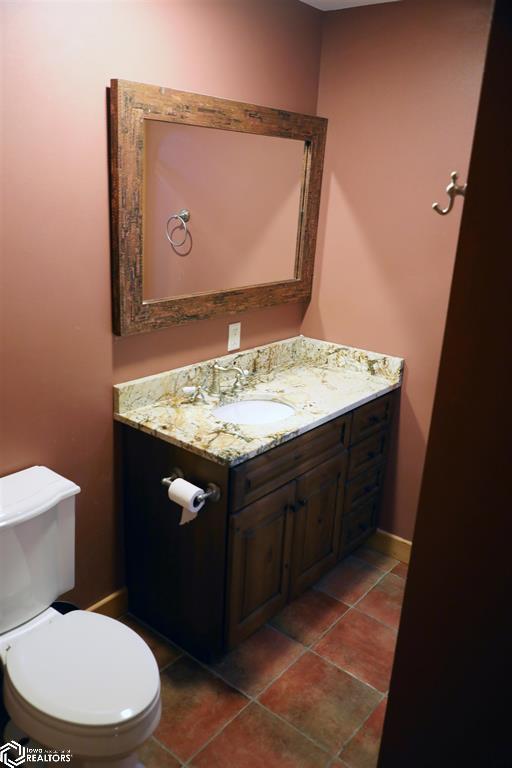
(153, 755)
(350, 580)
(362, 646)
(195, 704)
(401, 570)
(258, 660)
(163, 650)
(362, 751)
(384, 602)
(309, 616)
(321, 700)
(257, 739)
(380, 561)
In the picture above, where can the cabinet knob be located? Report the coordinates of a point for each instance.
(301, 502)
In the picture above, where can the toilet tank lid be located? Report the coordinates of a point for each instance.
(31, 492)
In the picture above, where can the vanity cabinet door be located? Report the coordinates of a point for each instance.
(259, 562)
(318, 510)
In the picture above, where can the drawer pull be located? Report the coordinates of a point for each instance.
(368, 488)
(374, 419)
(301, 502)
(371, 454)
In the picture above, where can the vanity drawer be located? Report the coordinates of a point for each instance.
(361, 487)
(358, 526)
(368, 453)
(257, 477)
(371, 417)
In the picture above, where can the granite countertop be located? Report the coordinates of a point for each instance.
(321, 380)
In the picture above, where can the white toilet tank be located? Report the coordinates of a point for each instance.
(37, 543)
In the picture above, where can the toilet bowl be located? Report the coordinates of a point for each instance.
(87, 684)
(81, 683)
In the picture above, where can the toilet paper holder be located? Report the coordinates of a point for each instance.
(212, 492)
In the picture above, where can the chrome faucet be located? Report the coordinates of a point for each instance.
(241, 375)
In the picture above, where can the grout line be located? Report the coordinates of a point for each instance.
(167, 749)
(217, 733)
(367, 562)
(353, 605)
(346, 671)
(373, 618)
(359, 727)
(173, 661)
(329, 755)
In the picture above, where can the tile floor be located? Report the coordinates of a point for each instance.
(308, 690)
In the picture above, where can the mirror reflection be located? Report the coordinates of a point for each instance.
(221, 209)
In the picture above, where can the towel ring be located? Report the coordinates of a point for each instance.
(183, 216)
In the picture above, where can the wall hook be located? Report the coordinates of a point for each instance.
(452, 190)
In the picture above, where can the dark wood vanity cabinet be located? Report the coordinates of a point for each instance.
(369, 442)
(284, 519)
(281, 544)
(260, 547)
(317, 519)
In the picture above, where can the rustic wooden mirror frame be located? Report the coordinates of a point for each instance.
(133, 103)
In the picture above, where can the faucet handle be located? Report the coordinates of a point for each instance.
(241, 373)
(194, 393)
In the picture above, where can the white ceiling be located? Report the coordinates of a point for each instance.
(336, 5)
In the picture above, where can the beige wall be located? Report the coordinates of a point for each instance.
(58, 358)
(400, 84)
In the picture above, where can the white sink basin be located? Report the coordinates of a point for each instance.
(254, 412)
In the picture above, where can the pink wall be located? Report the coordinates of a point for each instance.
(58, 358)
(400, 84)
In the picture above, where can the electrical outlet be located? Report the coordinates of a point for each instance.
(234, 336)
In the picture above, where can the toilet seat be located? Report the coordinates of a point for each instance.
(86, 683)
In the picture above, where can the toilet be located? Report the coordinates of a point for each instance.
(79, 682)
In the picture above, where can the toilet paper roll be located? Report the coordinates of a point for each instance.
(186, 495)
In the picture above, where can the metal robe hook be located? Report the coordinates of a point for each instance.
(452, 190)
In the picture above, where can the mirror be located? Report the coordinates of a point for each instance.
(214, 205)
(242, 233)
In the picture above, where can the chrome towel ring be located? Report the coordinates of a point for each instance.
(182, 217)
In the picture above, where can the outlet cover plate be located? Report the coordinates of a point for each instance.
(234, 330)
